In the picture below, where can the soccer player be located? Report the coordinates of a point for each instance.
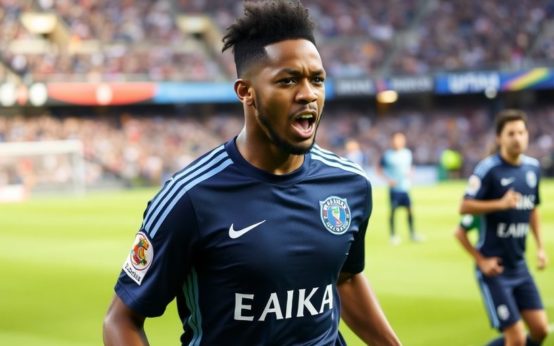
(504, 190)
(261, 240)
(395, 167)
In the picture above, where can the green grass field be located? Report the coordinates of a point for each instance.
(60, 257)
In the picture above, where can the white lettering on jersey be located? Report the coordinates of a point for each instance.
(327, 299)
(239, 306)
(304, 304)
(304, 301)
(526, 202)
(290, 296)
(272, 306)
(512, 230)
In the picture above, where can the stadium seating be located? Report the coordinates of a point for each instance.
(179, 40)
(146, 40)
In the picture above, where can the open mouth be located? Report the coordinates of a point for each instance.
(304, 122)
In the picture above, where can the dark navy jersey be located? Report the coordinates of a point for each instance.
(503, 233)
(252, 258)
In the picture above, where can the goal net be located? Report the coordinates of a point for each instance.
(47, 166)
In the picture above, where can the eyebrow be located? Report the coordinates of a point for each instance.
(294, 72)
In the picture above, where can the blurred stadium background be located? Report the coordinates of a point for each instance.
(101, 100)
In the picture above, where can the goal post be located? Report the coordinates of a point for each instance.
(50, 166)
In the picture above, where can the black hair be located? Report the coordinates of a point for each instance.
(264, 23)
(507, 116)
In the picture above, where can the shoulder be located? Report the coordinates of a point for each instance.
(333, 163)
(172, 194)
(201, 169)
(486, 165)
(530, 161)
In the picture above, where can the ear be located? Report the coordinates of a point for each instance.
(244, 92)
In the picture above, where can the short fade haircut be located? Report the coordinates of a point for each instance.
(263, 23)
(506, 116)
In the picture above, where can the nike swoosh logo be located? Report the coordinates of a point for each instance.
(234, 234)
(506, 181)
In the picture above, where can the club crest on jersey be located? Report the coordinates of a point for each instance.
(335, 214)
(139, 259)
(531, 178)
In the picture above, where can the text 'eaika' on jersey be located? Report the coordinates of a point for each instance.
(503, 233)
(252, 258)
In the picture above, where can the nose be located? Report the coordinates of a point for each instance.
(307, 93)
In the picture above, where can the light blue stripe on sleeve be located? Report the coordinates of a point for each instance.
(175, 182)
(181, 191)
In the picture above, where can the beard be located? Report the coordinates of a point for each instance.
(281, 143)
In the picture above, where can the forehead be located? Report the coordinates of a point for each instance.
(293, 54)
(398, 137)
(515, 125)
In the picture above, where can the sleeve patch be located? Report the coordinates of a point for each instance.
(473, 185)
(140, 258)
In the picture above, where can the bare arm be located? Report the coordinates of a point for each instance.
(473, 206)
(542, 258)
(123, 326)
(490, 266)
(362, 313)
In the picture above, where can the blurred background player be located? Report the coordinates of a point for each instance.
(395, 167)
(504, 189)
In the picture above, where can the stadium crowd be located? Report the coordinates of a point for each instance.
(106, 41)
(145, 149)
(458, 35)
(140, 39)
(109, 40)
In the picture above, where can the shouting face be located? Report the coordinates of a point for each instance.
(288, 94)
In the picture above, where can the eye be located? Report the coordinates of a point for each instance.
(287, 81)
(318, 80)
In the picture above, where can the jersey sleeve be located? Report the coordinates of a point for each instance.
(478, 184)
(355, 261)
(159, 259)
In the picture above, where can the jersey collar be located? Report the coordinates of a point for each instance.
(250, 170)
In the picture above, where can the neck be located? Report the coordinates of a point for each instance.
(266, 156)
(513, 159)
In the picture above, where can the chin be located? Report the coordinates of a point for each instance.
(299, 149)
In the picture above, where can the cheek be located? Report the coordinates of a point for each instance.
(275, 105)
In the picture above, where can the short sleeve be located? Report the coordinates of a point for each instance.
(477, 186)
(355, 261)
(158, 261)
